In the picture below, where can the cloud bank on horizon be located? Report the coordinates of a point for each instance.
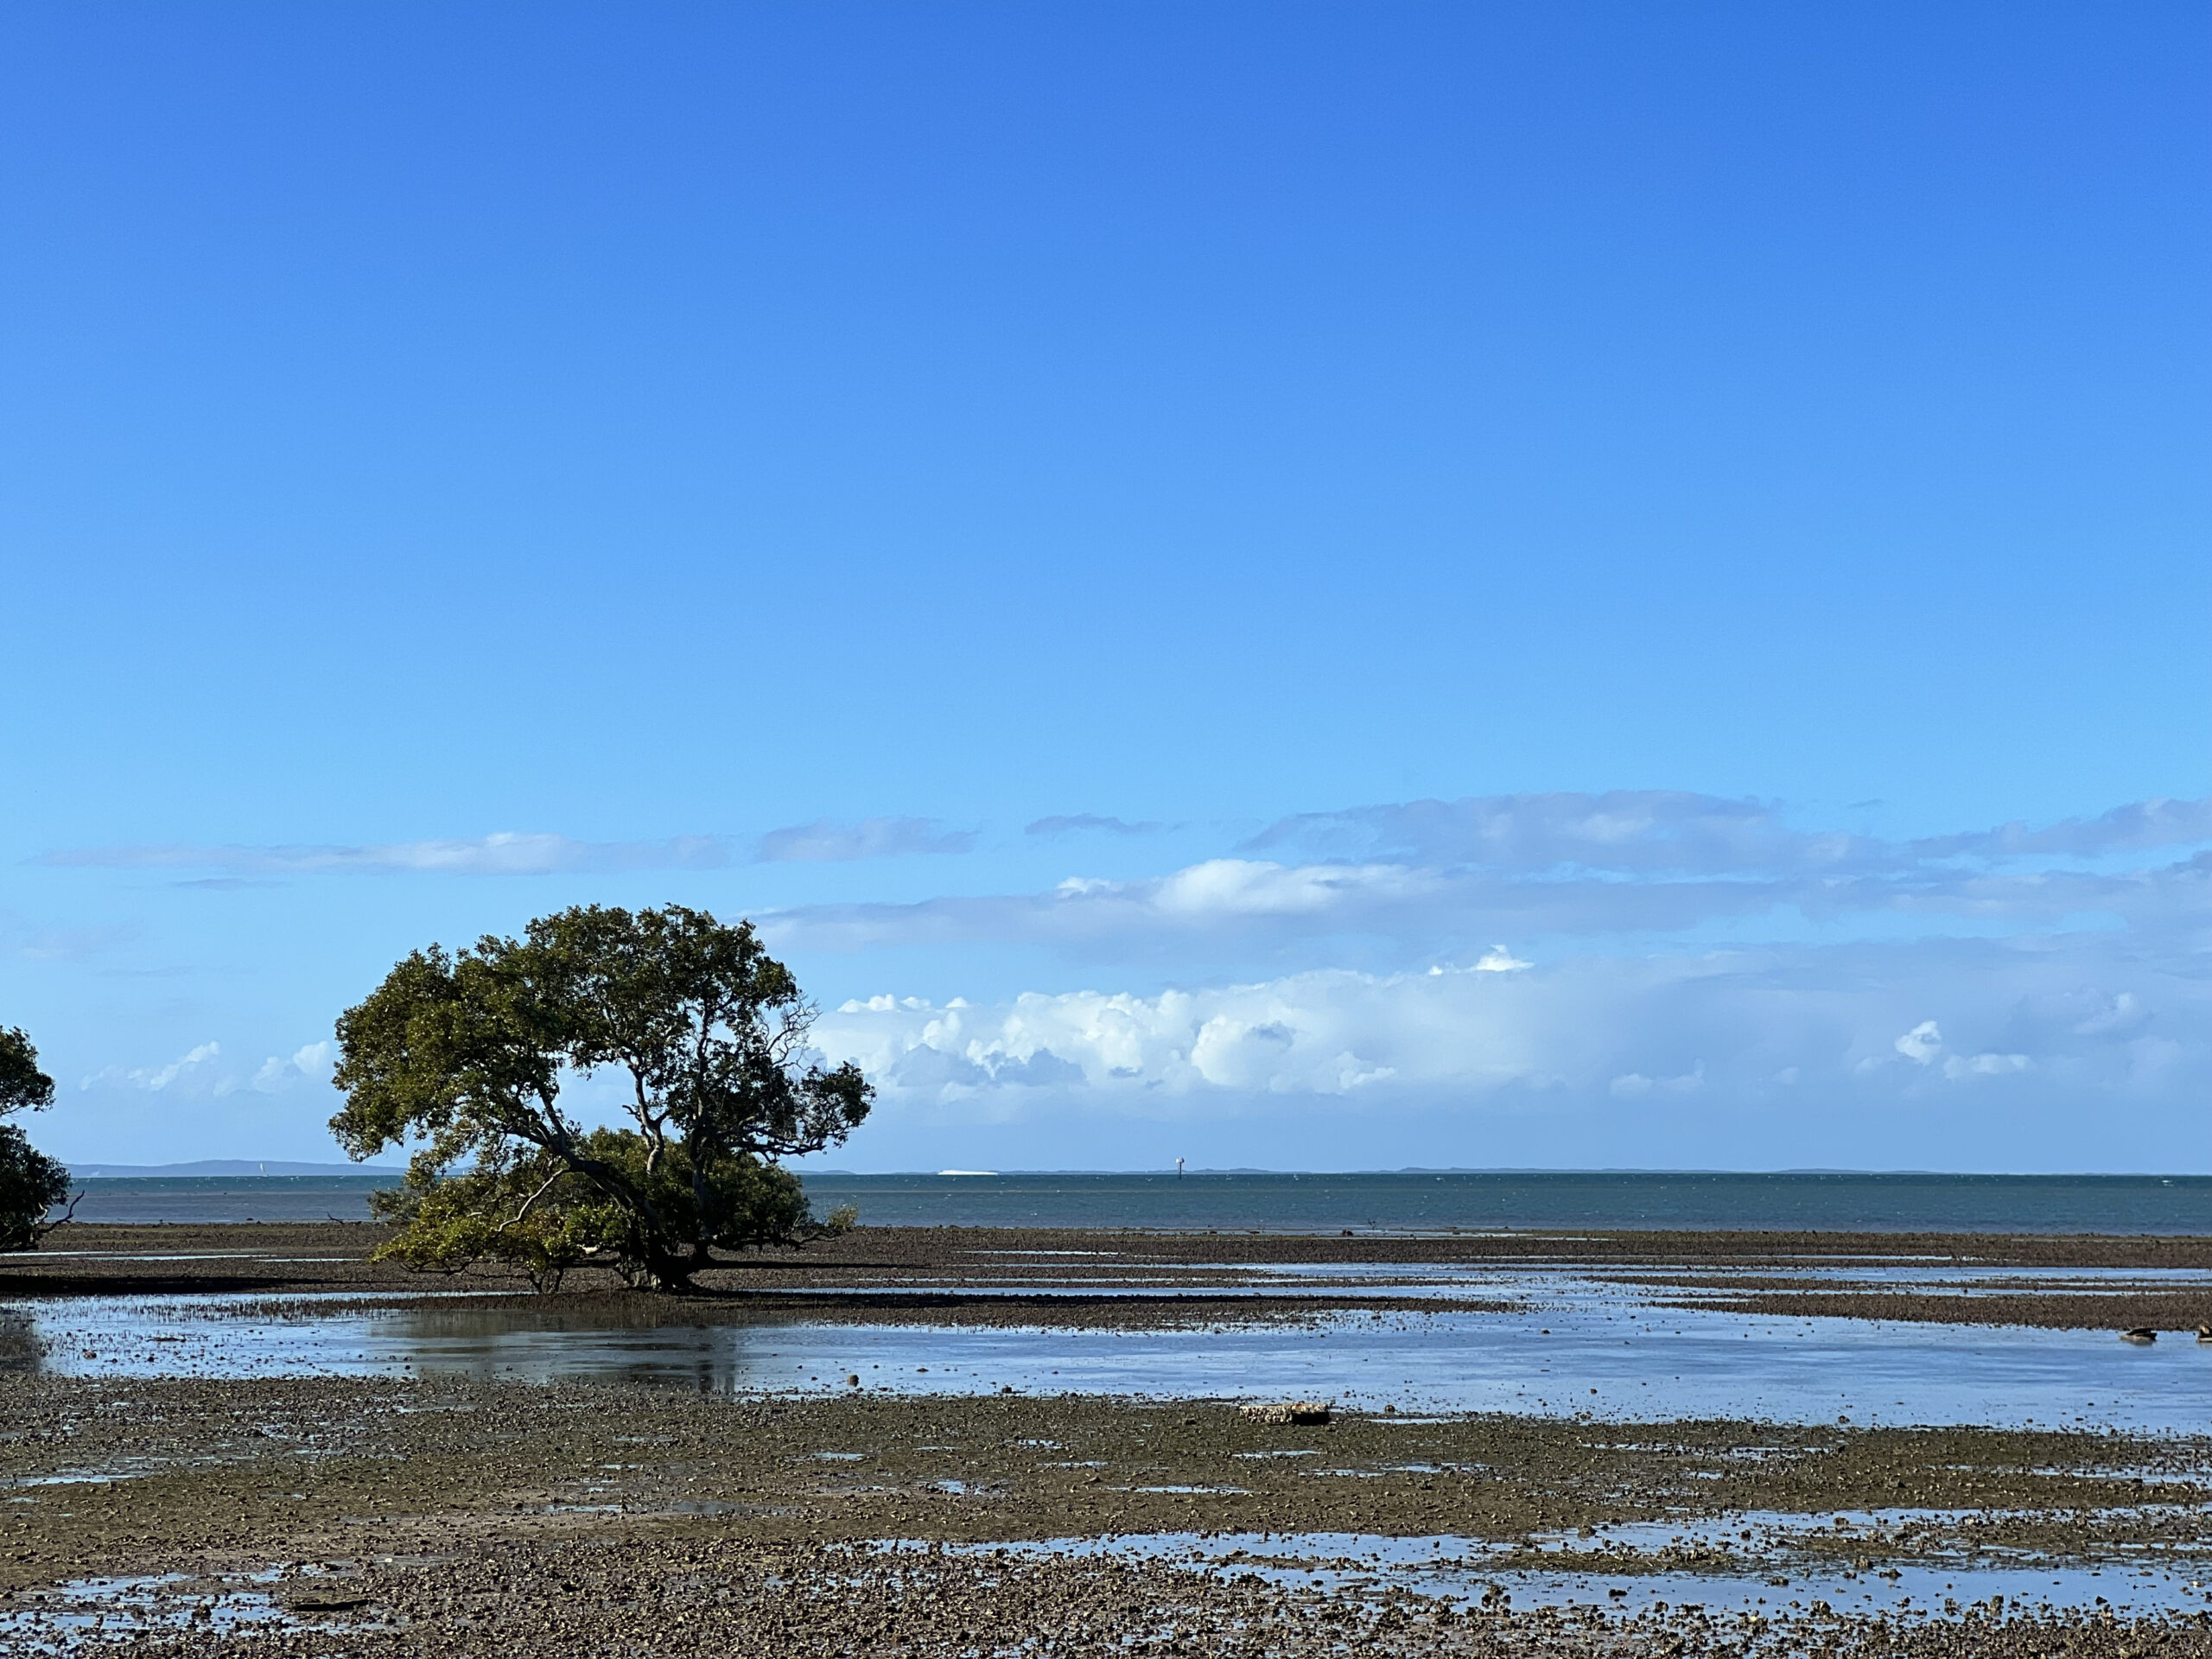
(1450, 977)
(1666, 948)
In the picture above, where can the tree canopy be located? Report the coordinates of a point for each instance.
(462, 1055)
(30, 1182)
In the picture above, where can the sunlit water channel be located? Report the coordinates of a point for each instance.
(1468, 1572)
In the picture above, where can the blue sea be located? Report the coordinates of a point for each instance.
(1405, 1201)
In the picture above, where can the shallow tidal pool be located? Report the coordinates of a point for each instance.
(1571, 1346)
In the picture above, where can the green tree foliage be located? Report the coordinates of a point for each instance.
(31, 1183)
(463, 1055)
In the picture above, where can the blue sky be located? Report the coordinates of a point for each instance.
(1151, 543)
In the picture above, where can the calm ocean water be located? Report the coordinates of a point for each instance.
(1400, 1202)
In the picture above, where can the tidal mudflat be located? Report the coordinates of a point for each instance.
(951, 1441)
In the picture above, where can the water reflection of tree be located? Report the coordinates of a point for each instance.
(21, 1348)
(529, 1342)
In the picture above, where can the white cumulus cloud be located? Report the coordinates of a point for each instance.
(1921, 1044)
(1831, 1034)
(203, 1072)
(311, 1063)
(195, 1069)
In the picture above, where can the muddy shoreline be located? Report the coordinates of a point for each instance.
(445, 1514)
(912, 1247)
(468, 1515)
(1130, 1280)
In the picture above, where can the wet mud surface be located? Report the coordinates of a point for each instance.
(725, 1598)
(982, 1276)
(2177, 1313)
(494, 1513)
(447, 1514)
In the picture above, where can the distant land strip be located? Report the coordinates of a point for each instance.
(226, 1167)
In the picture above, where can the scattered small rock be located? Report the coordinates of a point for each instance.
(1285, 1411)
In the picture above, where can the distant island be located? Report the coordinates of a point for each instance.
(226, 1167)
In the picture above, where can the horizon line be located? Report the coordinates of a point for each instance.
(235, 1167)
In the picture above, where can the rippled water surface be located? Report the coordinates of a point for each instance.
(1406, 1200)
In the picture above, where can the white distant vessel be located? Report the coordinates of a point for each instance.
(967, 1172)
